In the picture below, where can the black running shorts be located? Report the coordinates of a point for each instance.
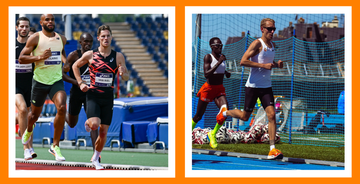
(252, 94)
(26, 93)
(40, 91)
(75, 102)
(99, 106)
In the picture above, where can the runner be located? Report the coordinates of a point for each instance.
(24, 75)
(104, 64)
(47, 48)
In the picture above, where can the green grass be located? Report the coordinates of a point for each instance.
(289, 150)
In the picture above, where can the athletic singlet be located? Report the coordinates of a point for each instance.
(260, 77)
(102, 73)
(84, 73)
(48, 71)
(24, 72)
(221, 68)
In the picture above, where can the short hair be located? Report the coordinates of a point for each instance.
(263, 21)
(32, 29)
(102, 28)
(212, 40)
(22, 19)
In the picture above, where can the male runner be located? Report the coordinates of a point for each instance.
(24, 75)
(213, 89)
(262, 54)
(104, 64)
(47, 48)
(77, 97)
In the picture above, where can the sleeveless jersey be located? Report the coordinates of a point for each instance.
(24, 72)
(48, 71)
(221, 68)
(102, 73)
(260, 77)
(84, 72)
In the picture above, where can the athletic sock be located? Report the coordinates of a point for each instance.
(96, 155)
(216, 128)
(224, 114)
(193, 124)
(272, 147)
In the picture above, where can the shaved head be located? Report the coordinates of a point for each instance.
(47, 21)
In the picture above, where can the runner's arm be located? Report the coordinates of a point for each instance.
(122, 66)
(85, 59)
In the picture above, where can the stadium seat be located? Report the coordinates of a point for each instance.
(139, 82)
(154, 26)
(145, 90)
(139, 19)
(156, 58)
(128, 65)
(161, 65)
(151, 49)
(162, 49)
(129, 20)
(164, 42)
(165, 73)
(140, 34)
(159, 20)
(97, 20)
(76, 19)
(166, 57)
(148, 20)
(87, 19)
(134, 74)
(123, 90)
(145, 42)
(134, 27)
(57, 20)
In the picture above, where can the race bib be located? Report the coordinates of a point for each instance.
(23, 68)
(54, 59)
(103, 79)
(86, 78)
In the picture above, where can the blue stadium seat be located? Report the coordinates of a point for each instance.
(151, 49)
(166, 73)
(159, 33)
(140, 35)
(162, 49)
(161, 65)
(154, 26)
(57, 20)
(134, 27)
(159, 20)
(139, 19)
(87, 19)
(149, 34)
(139, 82)
(155, 41)
(76, 19)
(166, 57)
(145, 90)
(145, 42)
(156, 58)
(143, 25)
(134, 74)
(123, 90)
(164, 27)
(36, 20)
(164, 42)
(117, 48)
(128, 65)
(97, 20)
(148, 20)
(129, 20)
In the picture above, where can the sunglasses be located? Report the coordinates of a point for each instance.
(217, 45)
(270, 28)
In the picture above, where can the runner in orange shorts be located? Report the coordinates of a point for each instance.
(213, 89)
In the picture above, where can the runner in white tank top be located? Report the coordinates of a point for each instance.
(258, 85)
(213, 89)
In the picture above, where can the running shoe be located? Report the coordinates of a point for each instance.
(26, 137)
(32, 152)
(99, 159)
(27, 154)
(275, 154)
(56, 152)
(220, 117)
(97, 165)
(212, 139)
(87, 128)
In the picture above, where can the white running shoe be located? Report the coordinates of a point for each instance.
(32, 152)
(87, 128)
(27, 154)
(56, 152)
(97, 165)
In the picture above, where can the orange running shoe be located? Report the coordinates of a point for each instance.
(275, 154)
(220, 117)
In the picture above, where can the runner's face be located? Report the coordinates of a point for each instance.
(48, 22)
(105, 38)
(216, 46)
(86, 42)
(268, 34)
(23, 28)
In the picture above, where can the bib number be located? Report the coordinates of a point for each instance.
(54, 59)
(103, 79)
(86, 78)
(23, 68)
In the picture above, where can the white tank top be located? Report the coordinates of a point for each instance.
(260, 77)
(221, 68)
